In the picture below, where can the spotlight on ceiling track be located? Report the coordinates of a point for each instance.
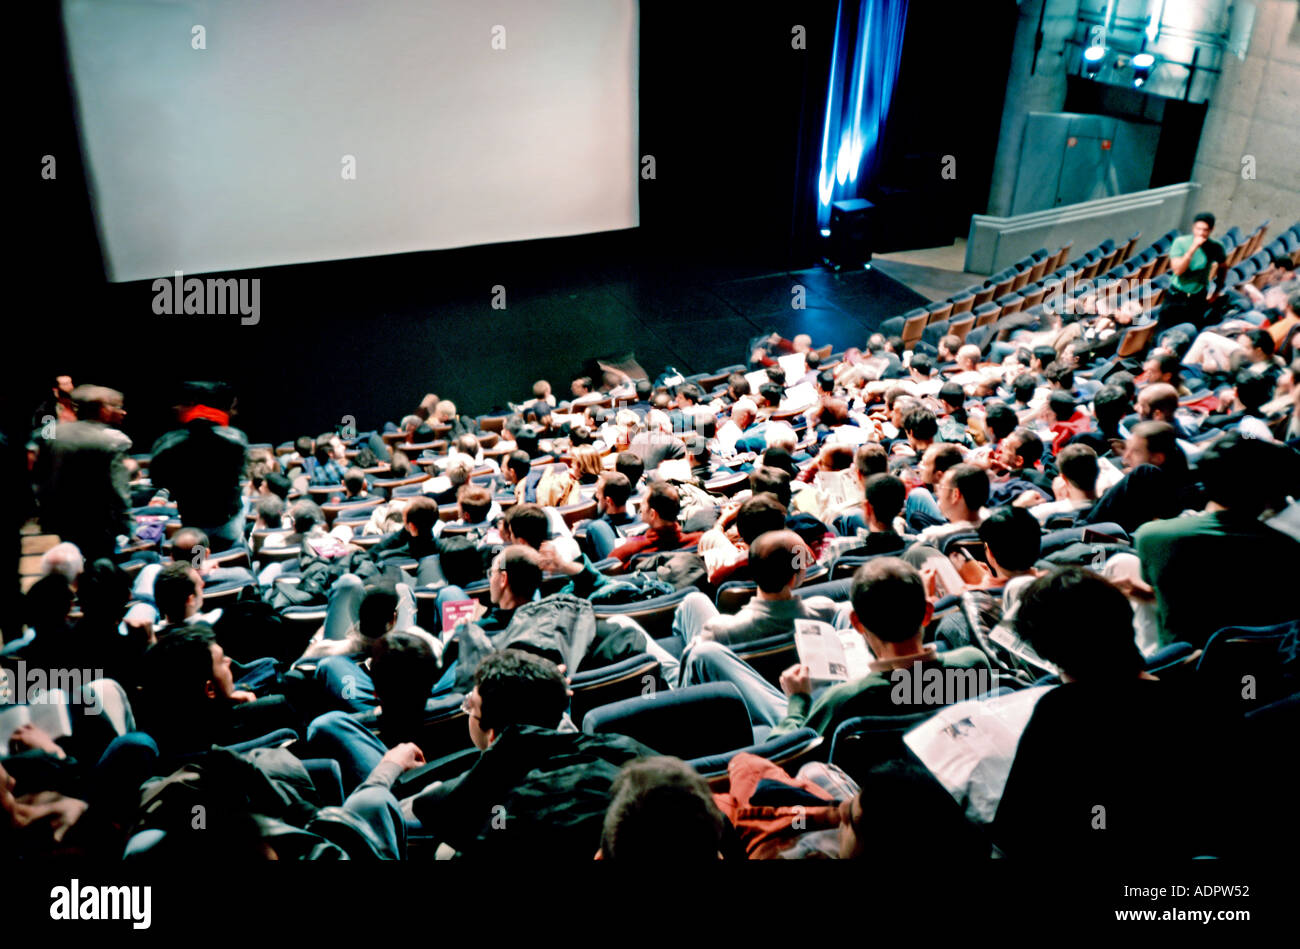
(1093, 57)
(1142, 64)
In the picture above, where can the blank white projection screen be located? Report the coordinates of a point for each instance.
(235, 155)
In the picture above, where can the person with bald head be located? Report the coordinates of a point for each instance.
(1157, 483)
(82, 471)
(1157, 402)
(778, 561)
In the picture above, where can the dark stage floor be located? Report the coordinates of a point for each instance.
(368, 338)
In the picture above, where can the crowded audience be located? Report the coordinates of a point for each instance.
(643, 623)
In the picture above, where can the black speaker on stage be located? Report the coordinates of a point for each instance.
(852, 229)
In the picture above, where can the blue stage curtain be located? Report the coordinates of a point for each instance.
(864, 70)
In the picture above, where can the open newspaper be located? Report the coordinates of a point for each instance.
(970, 747)
(49, 712)
(831, 655)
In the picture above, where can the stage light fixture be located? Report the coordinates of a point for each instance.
(1142, 64)
(1093, 57)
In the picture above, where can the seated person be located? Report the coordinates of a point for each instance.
(882, 505)
(659, 511)
(534, 790)
(1156, 484)
(890, 611)
(417, 538)
(1243, 477)
(476, 512)
(661, 810)
(1080, 765)
(1075, 486)
(756, 515)
(393, 691)
(778, 561)
(921, 509)
(189, 702)
(962, 494)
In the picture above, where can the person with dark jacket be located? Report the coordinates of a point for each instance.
(84, 495)
(535, 793)
(202, 464)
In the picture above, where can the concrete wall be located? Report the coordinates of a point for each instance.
(1044, 91)
(997, 242)
(1255, 110)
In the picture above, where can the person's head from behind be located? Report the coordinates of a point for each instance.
(1001, 420)
(404, 670)
(892, 791)
(188, 544)
(515, 575)
(1110, 405)
(178, 591)
(948, 346)
(98, 404)
(758, 515)
(1248, 476)
(64, 558)
(47, 603)
(270, 513)
(1041, 358)
(737, 386)
(968, 357)
(306, 515)
(920, 426)
(354, 482)
(1157, 401)
(937, 459)
(773, 481)
(630, 466)
(1082, 624)
(1012, 540)
(585, 466)
(419, 516)
(1061, 406)
(517, 467)
(771, 394)
(890, 608)
(612, 491)
(1079, 467)
(324, 452)
(921, 366)
(1059, 376)
(378, 610)
(778, 560)
(884, 497)
(953, 397)
(399, 465)
(662, 505)
(870, 459)
(1252, 390)
(186, 678)
(474, 502)
(1023, 387)
(661, 811)
(1150, 443)
(526, 524)
(513, 687)
(778, 456)
(963, 490)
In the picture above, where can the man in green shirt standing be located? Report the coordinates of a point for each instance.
(1193, 261)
